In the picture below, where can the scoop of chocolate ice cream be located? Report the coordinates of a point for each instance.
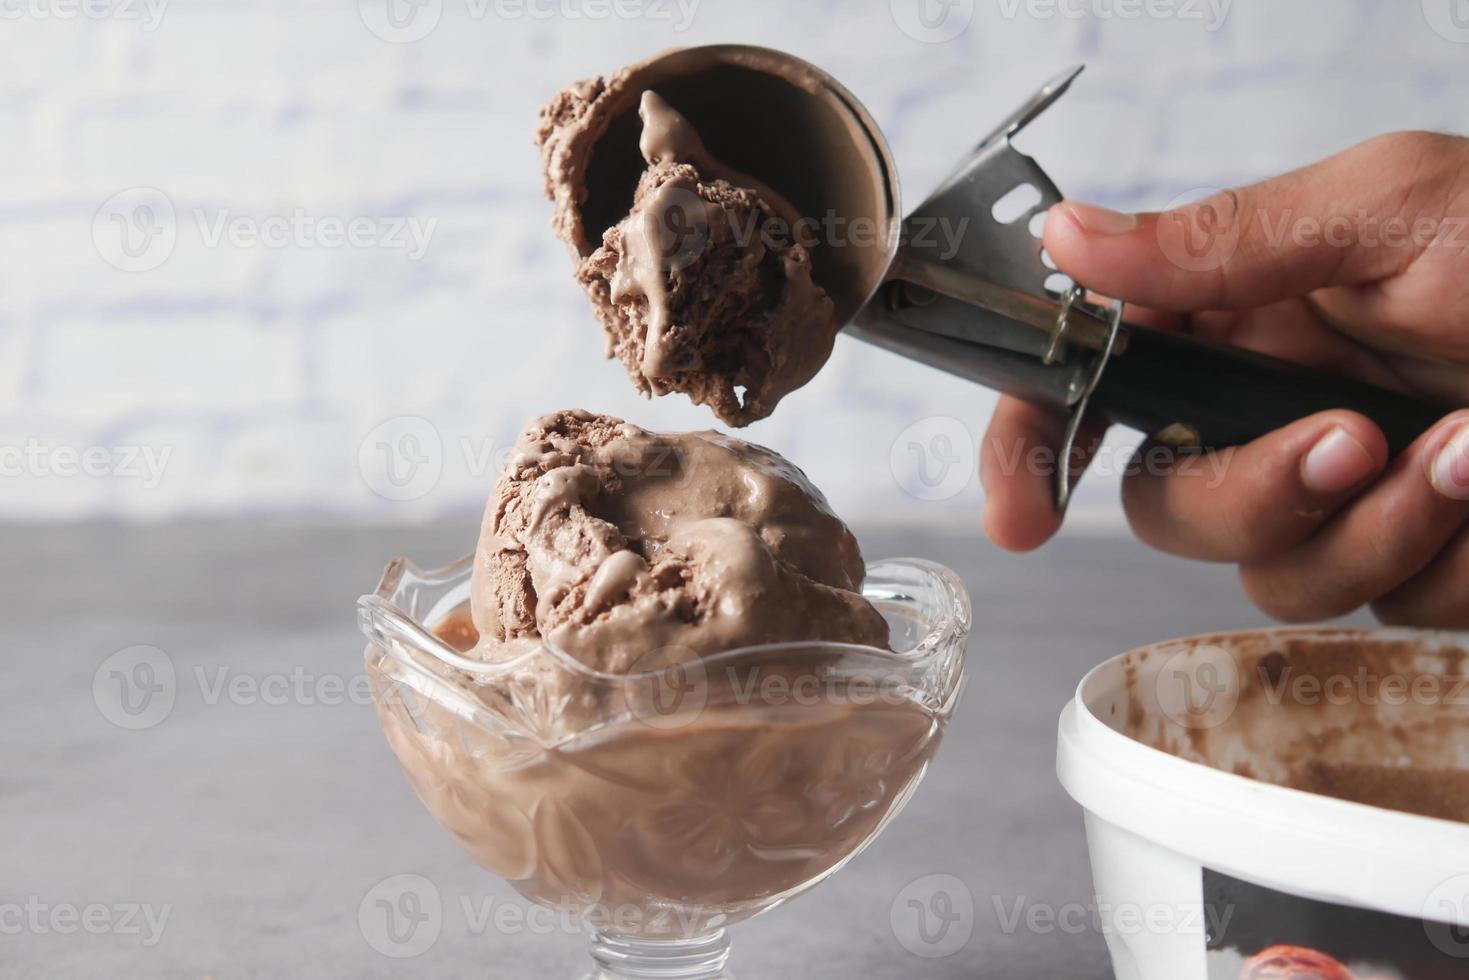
(615, 545)
(568, 131)
(705, 287)
(700, 291)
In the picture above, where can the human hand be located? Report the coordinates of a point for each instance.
(1359, 266)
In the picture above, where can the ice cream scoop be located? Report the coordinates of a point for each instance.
(703, 254)
(961, 282)
(764, 120)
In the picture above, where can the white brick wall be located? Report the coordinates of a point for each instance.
(258, 371)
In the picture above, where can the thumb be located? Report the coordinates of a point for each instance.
(1348, 220)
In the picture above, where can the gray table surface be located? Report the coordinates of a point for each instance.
(261, 826)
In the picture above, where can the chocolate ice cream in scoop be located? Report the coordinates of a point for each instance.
(703, 288)
(728, 213)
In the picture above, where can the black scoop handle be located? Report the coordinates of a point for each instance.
(1230, 396)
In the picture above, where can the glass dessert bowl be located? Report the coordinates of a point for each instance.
(660, 807)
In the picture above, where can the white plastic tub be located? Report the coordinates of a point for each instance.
(1163, 830)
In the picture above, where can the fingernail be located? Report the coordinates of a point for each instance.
(1100, 221)
(1337, 462)
(1451, 467)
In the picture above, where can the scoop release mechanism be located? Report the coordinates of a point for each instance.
(976, 304)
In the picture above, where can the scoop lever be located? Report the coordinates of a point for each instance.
(980, 300)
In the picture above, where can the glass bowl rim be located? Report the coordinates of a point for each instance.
(946, 632)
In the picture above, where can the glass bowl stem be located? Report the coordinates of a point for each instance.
(698, 958)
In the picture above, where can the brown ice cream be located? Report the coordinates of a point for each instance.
(703, 288)
(615, 567)
(1383, 722)
(625, 548)
(707, 279)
